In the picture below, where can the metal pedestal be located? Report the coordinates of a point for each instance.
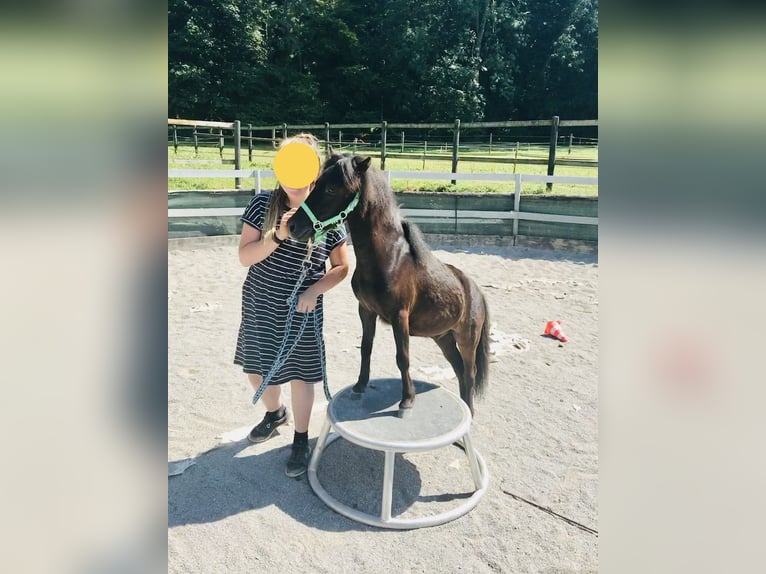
(372, 420)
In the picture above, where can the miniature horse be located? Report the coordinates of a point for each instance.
(398, 279)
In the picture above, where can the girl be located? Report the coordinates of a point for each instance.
(275, 261)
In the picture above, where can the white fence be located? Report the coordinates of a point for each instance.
(515, 214)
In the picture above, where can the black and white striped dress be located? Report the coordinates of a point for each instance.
(264, 305)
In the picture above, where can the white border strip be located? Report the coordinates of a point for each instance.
(470, 214)
(206, 212)
(428, 213)
(560, 179)
(210, 173)
(418, 213)
(492, 177)
(558, 218)
(450, 176)
(228, 173)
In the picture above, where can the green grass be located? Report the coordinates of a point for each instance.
(262, 159)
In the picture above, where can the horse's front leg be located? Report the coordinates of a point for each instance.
(369, 322)
(401, 327)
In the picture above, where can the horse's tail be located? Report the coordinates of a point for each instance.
(482, 351)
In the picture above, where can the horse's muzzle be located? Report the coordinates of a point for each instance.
(300, 226)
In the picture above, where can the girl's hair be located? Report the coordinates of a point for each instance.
(278, 203)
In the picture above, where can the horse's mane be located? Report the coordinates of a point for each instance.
(418, 246)
(376, 194)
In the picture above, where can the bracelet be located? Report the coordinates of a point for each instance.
(277, 239)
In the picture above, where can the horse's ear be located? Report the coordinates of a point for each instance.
(332, 154)
(361, 164)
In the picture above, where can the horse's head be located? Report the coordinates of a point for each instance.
(334, 196)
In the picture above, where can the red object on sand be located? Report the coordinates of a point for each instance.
(553, 328)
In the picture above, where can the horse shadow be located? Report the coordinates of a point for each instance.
(241, 477)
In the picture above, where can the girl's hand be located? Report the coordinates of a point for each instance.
(307, 301)
(283, 232)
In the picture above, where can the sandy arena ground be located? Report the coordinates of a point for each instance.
(536, 427)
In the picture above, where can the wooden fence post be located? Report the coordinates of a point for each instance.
(402, 141)
(196, 142)
(175, 139)
(250, 143)
(220, 142)
(455, 147)
(237, 151)
(284, 131)
(274, 138)
(490, 143)
(552, 149)
(570, 143)
(327, 138)
(516, 205)
(383, 130)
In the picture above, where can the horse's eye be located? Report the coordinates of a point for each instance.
(330, 191)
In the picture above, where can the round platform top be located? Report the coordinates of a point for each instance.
(373, 420)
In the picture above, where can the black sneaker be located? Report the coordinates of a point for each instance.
(265, 429)
(299, 460)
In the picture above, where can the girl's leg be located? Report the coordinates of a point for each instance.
(271, 397)
(275, 416)
(302, 395)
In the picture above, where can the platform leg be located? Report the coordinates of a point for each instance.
(321, 442)
(388, 486)
(472, 462)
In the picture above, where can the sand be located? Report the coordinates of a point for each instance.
(233, 510)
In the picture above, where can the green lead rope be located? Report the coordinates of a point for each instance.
(284, 352)
(321, 229)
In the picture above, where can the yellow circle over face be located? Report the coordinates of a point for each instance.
(296, 165)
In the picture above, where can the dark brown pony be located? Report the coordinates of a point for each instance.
(398, 279)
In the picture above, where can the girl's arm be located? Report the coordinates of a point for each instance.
(252, 250)
(307, 301)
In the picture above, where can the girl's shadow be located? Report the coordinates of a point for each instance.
(240, 476)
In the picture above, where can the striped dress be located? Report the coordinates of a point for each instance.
(264, 305)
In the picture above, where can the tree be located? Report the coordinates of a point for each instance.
(213, 47)
(269, 61)
(551, 41)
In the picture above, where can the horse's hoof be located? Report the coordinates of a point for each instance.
(404, 413)
(358, 389)
(406, 404)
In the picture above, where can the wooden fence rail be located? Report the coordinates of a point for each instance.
(555, 124)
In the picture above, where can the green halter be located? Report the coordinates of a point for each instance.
(322, 228)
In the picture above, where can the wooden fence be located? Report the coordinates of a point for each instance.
(217, 213)
(283, 131)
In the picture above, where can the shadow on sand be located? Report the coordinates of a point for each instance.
(240, 477)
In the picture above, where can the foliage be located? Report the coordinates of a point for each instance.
(274, 61)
